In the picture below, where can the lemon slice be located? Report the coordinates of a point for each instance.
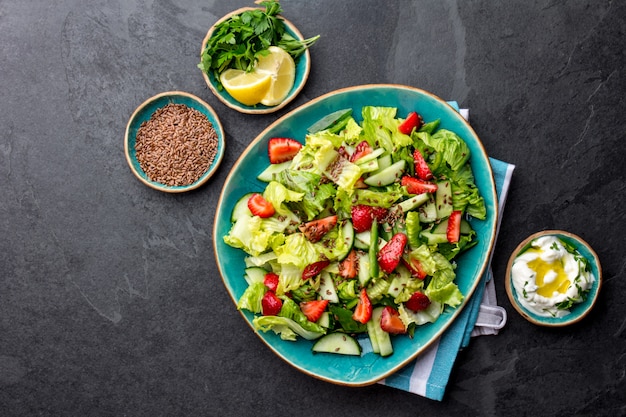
(248, 88)
(282, 69)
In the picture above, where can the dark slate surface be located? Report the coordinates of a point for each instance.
(110, 301)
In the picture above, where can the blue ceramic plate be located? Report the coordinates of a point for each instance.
(369, 367)
(578, 311)
(303, 66)
(145, 111)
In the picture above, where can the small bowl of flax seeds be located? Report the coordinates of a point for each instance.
(174, 142)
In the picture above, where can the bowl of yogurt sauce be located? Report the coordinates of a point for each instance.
(553, 278)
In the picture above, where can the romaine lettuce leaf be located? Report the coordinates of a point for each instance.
(286, 328)
(297, 250)
(316, 193)
(248, 234)
(251, 298)
(454, 149)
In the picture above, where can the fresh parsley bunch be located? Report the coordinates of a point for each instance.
(239, 40)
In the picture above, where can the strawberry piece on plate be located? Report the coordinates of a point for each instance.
(422, 170)
(360, 151)
(417, 186)
(271, 281)
(418, 302)
(259, 206)
(282, 149)
(349, 267)
(412, 121)
(313, 309)
(271, 304)
(390, 321)
(389, 256)
(453, 232)
(316, 229)
(363, 216)
(312, 270)
(363, 309)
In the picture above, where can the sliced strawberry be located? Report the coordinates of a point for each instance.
(313, 309)
(389, 255)
(422, 170)
(415, 267)
(417, 186)
(360, 151)
(271, 281)
(349, 267)
(271, 304)
(412, 121)
(363, 310)
(363, 216)
(259, 206)
(282, 149)
(454, 227)
(390, 321)
(312, 270)
(360, 184)
(418, 302)
(379, 213)
(316, 229)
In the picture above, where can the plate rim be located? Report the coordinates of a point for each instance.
(455, 313)
(242, 108)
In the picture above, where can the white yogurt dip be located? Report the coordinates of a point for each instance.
(549, 278)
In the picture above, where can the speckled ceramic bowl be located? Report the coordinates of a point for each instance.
(577, 311)
(145, 111)
(303, 66)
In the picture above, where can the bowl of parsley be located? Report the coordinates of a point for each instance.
(237, 41)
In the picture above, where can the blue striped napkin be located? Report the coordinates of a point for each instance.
(428, 375)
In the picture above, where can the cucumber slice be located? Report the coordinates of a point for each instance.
(387, 176)
(442, 227)
(443, 199)
(324, 320)
(327, 288)
(268, 173)
(371, 156)
(428, 211)
(334, 121)
(241, 208)
(362, 240)
(340, 343)
(413, 202)
(399, 281)
(254, 274)
(348, 238)
(466, 228)
(384, 161)
(369, 166)
(371, 332)
(373, 252)
(364, 269)
(382, 337)
(434, 238)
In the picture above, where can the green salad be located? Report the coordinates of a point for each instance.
(358, 230)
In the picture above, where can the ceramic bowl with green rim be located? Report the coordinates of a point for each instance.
(530, 309)
(145, 112)
(368, 367)
(303, 66)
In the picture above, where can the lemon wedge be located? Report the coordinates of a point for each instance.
(248, 88)
(280, 66)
